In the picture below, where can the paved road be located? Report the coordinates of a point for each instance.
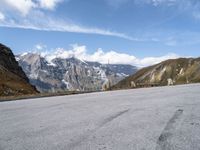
(166, 118)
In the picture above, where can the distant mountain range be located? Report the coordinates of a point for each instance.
(61, 74)
(13, 81)
(170, 72)
(72, 74)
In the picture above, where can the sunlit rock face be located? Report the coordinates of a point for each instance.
(61, 74)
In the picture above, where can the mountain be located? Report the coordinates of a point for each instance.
(170, 72)
(59, 74)
(13, 80)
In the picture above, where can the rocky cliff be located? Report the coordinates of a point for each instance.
(61, 74)
(13, 80)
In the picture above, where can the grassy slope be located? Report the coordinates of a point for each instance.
(161, 72)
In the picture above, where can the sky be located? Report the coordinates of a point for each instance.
(137, 32)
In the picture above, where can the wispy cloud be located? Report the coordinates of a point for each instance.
(159, 2)
(22, 7)
(191, 7)
(49, 4)
(39, 47)
(49, 24)
(117, 3)
(2, 17)
(32, 17)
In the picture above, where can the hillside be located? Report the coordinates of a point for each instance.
(170, 72)
(13, 80)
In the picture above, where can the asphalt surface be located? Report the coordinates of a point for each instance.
(166, 118)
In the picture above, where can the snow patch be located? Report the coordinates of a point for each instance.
(24, 54)
(17, 58)
(122, 75)
(181, 72)
(33, 76)
(68, 85)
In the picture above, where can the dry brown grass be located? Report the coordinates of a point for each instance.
(190, 66)
(39, 95)
(11, 84)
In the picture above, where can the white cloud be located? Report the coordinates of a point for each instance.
(2, 17)
(158, 2)
(154, 60)
(49, 4)
(40, 47)
(25, 6)
(112, 57)
(22, 6)
(32, 17)
(117, 3)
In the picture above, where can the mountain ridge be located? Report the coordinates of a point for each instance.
(169, 72)
(71, 73)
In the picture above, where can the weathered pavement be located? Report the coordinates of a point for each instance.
(166, 118)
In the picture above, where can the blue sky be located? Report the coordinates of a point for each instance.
(139, 28)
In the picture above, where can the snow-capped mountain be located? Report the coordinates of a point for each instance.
(52, 74)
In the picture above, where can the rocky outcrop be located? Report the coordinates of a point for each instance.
(70, 73)
(13, 80)
(170, 72)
